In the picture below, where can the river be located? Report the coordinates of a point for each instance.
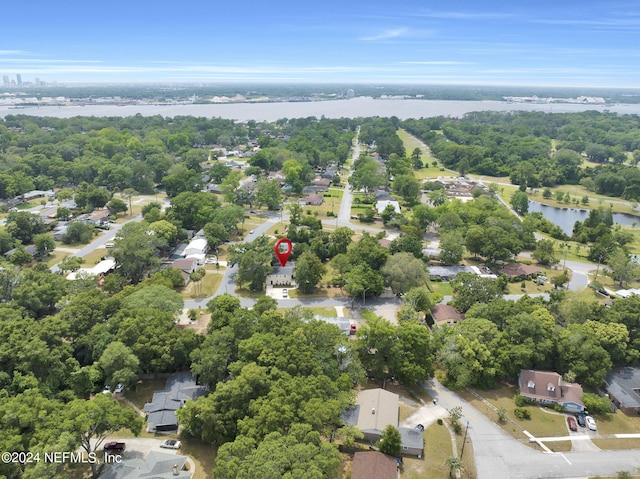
(565, 218)
(353, 108)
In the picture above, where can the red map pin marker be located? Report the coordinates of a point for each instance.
(283, 256)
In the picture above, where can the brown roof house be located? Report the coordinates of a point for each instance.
(186, 267)
(517, 271)
(548, 388)
(444, 314)
(313, 199)
(374, 465)
(378, 408)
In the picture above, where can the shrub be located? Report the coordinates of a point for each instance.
(440, 422)
(521, 400)
(596, 404)
(522, 413)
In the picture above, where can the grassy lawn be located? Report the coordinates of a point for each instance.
(143, 391)
(204, 455)
(618, 423)
(543, 422)
(327, 311)
(94, 257)
(207, 287)
(27, 205)
(56, 256)
(437, 446)
(441, 287)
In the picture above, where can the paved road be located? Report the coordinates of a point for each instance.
(500, 456)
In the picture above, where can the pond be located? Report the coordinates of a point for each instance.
(566, 217)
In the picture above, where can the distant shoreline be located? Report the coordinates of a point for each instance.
(352, 108)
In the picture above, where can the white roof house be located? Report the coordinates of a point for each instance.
(196, 247)
(382, 204)
(102, 267)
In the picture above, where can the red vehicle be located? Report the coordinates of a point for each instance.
(571, 421)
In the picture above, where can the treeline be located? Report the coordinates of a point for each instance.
(571, 333)
(169, 92)
(540, 149)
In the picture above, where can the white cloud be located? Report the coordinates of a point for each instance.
(386, 35)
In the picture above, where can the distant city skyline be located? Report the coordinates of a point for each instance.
(570, 43)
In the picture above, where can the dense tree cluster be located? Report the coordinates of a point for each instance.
(572, 334)
(519, 145)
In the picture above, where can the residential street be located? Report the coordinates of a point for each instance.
(499, 456)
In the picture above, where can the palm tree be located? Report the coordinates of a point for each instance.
(197, 277)
(454, 464)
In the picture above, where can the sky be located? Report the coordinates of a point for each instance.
(515, 43)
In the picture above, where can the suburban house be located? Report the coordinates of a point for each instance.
(443, 314)
(197, 248)
(282, 276)
(101, 269)
(60, 230)
(31, 249)
(186, 267)
(376, 409)
(99, 217)
(412, 441)
(322, 184)
(374, 465)
(346, 325)
(381, 205)
(447, 273)
(156, 465)
(518, 271)
(623, 386)
(161, 411)
(312, 199)
(547, 387)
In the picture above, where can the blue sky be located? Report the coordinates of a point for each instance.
(553, 43)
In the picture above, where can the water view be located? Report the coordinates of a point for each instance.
(356, 107)
(566, 217)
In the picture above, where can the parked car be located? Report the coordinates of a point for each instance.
(171, 444)
(106, 390)
(109, 245)
(580, 419)
(591, 423)
(571, 421)
(285, 293)
(420, 427)
(210, 261)
(119, 388)
(252, 231)
(114, 446)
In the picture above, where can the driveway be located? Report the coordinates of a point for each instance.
(425, 415)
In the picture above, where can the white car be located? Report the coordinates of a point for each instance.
(109, 245)
(210, 261)
(252, 231)
(591, 424)
(106, 390)
(119, 388)
(285, 293)
(171, 444)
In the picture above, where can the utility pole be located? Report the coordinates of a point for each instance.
(464, 441)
